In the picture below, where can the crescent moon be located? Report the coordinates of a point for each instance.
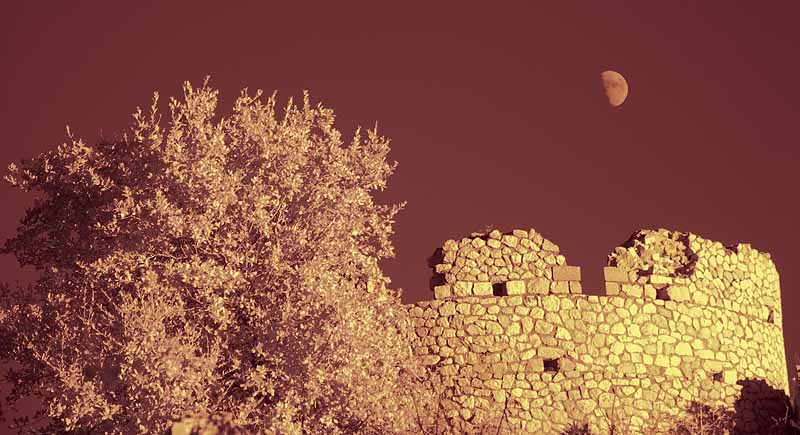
(615, 86)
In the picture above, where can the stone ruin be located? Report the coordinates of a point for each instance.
(511, 341)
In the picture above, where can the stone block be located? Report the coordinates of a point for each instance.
(515, 287)
(683, 349)
(615, 274)
(499, 396)
(510, 240)
(567, 365)
(612, 288)
(575, 287)
(606, 400)
(658, 279)
(463, 308)
(462, 288)
(527, 325)
(443, 268)
(673, 372)
(482, 289)
(513, 301)
(543, 327)
(559, 287)
(633, 290)
(585, 406)
(678, 293)
(535, 365)
(566, 273)
(549, 246)
(700, 298)
(441, 291)
(539, 286)
(447, 309)
(729, 377)
(550, 352)
(551, 303)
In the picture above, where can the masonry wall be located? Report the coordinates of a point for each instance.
(511, 338)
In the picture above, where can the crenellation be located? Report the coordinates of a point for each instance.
(510, 333)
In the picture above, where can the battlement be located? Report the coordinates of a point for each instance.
(682, 319)
(651, 264)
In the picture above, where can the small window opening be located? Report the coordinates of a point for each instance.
(499, 289)
(716, 377)
(771, 316)
(661, 293)
(437, 279)
(436, 258)
(551, 365)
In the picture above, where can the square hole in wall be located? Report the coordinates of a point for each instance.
(437, 279)
(661, 293)
(551, 365)
(716, 377)
(499, 289)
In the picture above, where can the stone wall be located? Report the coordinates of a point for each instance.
(511, 339)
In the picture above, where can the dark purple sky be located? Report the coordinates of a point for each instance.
(497, 114)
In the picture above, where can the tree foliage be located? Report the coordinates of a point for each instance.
(218, 264)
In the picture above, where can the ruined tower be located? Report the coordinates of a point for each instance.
(511, 340)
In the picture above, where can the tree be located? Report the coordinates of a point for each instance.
(215, 265)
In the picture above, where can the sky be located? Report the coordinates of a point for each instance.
(496, 114)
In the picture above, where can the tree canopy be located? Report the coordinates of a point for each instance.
(215, 264)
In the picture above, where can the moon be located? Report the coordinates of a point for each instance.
(615, 86)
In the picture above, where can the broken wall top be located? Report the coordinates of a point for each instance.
(654, 264)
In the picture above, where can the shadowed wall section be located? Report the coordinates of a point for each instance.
(511, 340)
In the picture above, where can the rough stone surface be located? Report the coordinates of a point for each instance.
(684, 320)
(615, 274)
(567, 273)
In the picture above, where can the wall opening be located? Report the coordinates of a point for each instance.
(771, 316)
(716, 377)
(661, 293)
(551, 365)
(593, 281)
(437, 279)
(499, 289)
(436, 258)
